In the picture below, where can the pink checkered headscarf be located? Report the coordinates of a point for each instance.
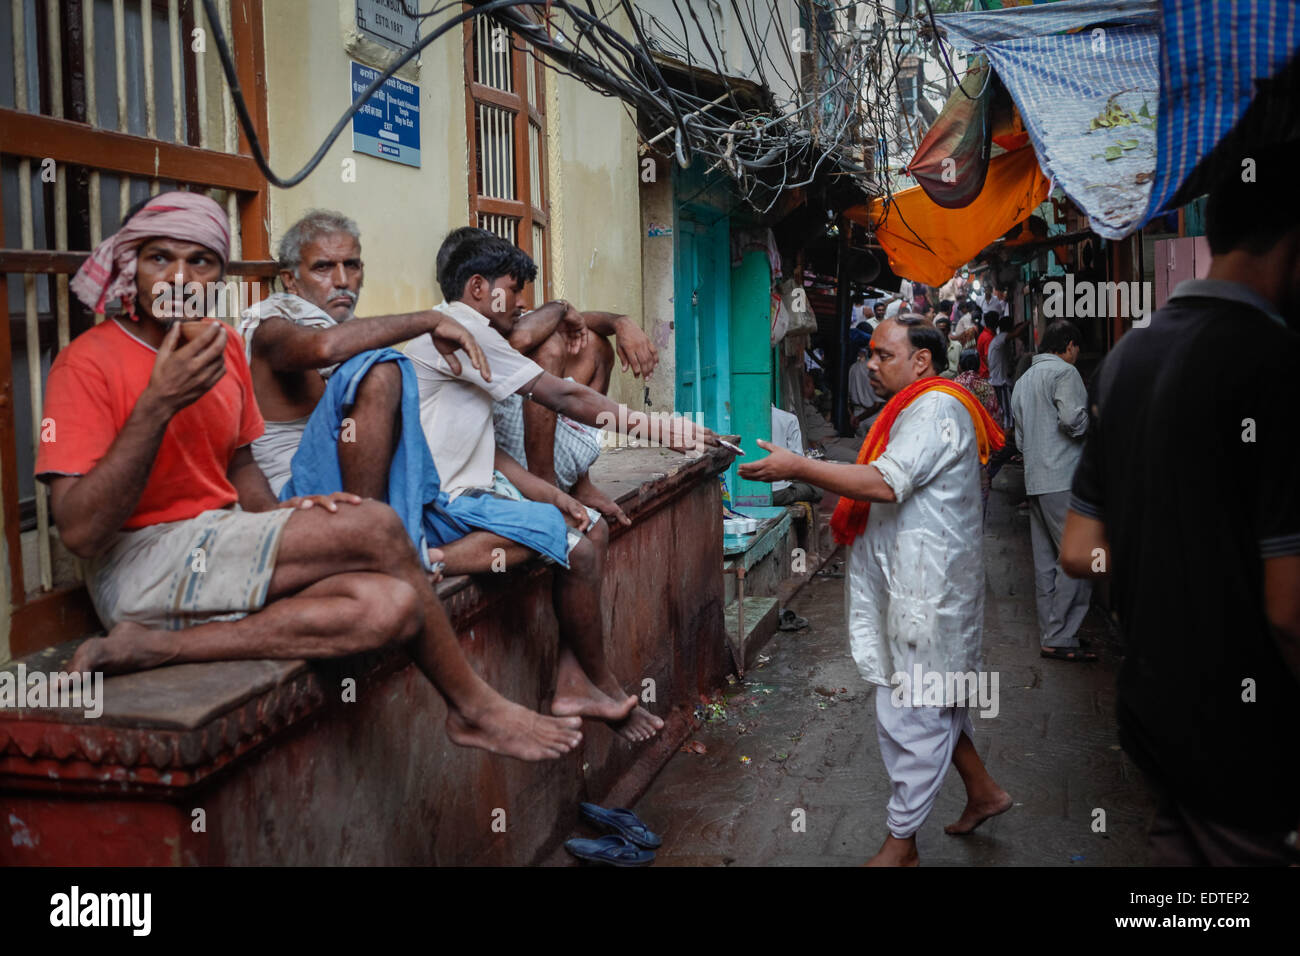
(109, 274)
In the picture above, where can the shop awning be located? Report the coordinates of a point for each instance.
(927, 243)
(1088, 99)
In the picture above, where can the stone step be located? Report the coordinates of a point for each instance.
(762, 615)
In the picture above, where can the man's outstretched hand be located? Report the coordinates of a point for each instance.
(685, 435)
(779, 465)
(448, 336)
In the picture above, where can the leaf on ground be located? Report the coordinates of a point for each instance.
(694, 747)
(1113, 152)
(1127, 143)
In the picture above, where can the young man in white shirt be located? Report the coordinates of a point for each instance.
(483, 278)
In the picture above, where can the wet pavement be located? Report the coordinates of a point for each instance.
(795, 743)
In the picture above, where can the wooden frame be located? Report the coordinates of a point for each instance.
(526, 209)
(42, 619)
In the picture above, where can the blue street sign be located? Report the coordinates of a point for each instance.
(388, 125)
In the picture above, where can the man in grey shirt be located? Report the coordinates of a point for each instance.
(1050, 407)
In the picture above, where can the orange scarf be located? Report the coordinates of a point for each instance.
(850, 518)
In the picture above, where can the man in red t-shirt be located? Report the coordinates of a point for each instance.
(190, 557)
(985, 339)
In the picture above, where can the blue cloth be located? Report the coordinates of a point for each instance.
(414, 489)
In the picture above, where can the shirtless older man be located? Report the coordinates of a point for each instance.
(151, 459)
(298, 338)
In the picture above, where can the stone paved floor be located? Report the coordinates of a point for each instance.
(800, 734)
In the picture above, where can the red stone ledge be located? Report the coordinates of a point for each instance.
(166, 731)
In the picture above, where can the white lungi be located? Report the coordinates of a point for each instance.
(916, 745)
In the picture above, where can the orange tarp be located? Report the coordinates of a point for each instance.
(1014, 187)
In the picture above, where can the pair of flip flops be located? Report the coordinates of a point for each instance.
(629, 842)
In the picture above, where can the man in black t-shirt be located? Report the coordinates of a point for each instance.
(1188, 495)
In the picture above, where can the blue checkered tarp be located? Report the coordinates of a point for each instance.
(1122, 99)
(1211, 54)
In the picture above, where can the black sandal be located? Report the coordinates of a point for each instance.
(791, 621)
(1076, 655)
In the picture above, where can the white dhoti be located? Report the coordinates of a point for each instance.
(916, 745)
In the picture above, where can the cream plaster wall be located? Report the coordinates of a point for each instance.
(595, 209)
(403, 212)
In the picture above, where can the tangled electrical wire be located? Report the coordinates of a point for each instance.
(827, 103)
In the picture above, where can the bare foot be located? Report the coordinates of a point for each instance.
(896, 852)
(594, 703)
(639, 726)
(510, 730)
(977, 811)
(128, 647)
(577, 696)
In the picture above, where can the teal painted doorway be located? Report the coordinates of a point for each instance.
(701, 310)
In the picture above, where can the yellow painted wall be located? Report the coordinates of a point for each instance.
(595, 208)
(403, 212)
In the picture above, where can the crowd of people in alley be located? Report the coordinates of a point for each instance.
(1175, 480)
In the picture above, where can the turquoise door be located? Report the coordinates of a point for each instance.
(751, 369)
(701, 299)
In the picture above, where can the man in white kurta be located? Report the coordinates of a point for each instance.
(915, 586)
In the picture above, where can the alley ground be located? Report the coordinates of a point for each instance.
(798, 733)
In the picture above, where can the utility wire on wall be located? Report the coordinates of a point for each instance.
(828, 99)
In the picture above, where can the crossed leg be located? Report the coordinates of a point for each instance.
(584, 675)
(347, 582)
